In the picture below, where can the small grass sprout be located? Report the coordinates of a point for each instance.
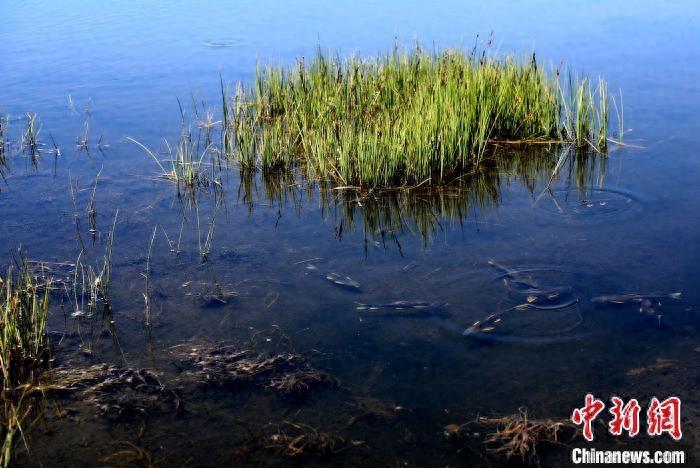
(186, 161)
(30, 137)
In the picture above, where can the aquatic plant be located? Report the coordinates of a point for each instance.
(205, 245)
(147, 276)
(115, 391)
(407, 116)
(91, 211)
(186, 160)
(4, 122)
(30, 137)
(294, 439)
(516, 437)
(24, 351)
(3, 132)
(519, 436)
(103, 280)
(91, 284)
(24, 345)
(82, 141)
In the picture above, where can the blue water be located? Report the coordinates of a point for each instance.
(129, 63)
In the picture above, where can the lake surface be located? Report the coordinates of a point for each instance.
(251, 260)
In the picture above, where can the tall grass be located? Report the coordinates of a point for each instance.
(24, 351)
(407, 116)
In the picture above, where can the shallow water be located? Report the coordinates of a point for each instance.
(627, 223)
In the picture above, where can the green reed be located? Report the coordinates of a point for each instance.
(4, 125)
(24, 351)
(186, 160)
(30, 137)
(147, 276)
(91, 284)
(407, 116)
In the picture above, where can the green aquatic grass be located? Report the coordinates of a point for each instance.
(408, 116)
(4, 124)
(186, 161)
(24, 351)
(30, 137)
(23, 341)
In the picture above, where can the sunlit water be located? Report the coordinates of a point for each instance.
(623, 224)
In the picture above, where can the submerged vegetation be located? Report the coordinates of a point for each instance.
(407, 117)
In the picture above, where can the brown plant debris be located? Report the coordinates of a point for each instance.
(373, 410)
(295, 439)
(116, 391)
(515, 436)
(299, 382)
(130, 456)
(229, 366)
(659, 365)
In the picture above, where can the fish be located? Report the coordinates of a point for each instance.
(486, 326)
(544, 305)
(634, 297)
(514, 276)
(343, 281)
(404, 308)
(550, 293)
(482, 325)
(336, 278)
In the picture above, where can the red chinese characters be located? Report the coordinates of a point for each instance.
(587, 415)
(665, 417)
(625, 417)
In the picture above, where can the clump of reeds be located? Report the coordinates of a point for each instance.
(24, 351)
(24, 345)
(408, 116)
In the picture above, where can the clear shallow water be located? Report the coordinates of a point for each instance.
(130, 64)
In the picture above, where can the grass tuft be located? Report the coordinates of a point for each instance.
(407, 116)
(24, 352)
(187, 166)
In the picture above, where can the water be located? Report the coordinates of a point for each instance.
(625, 224)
